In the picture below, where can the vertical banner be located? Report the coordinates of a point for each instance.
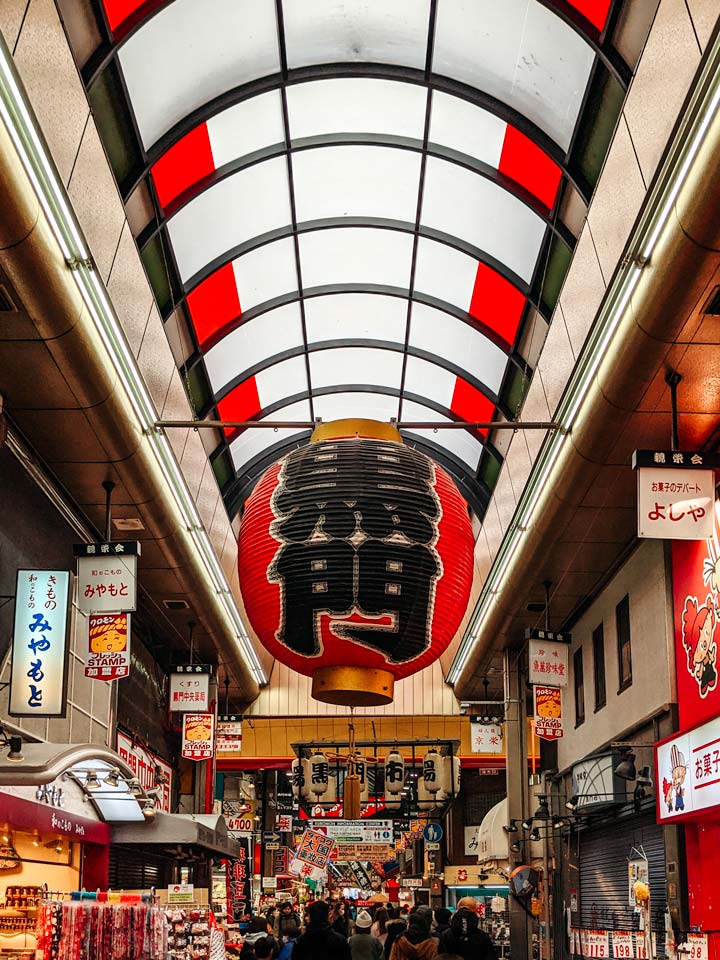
(39, 645)
(198, 736)
(108, 651)
(238, 879)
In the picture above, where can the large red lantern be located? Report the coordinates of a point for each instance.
(356, 561)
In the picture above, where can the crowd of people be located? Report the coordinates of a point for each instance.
(328, 931)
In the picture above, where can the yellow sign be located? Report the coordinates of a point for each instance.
(365, 851)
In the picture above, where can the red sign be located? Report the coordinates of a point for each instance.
(198, 736)
(548, 713)
(696, 596)
(108, 654)
(26, 814)
(384, 584)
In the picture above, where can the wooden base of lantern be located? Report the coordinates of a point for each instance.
(351, 798)
(353, 686)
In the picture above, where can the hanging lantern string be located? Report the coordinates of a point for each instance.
(351, 745)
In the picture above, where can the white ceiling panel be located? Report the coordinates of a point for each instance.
(375, 31)
(381, 368)
(246, 127)
(254, 341)
(375, 406)
(445, 273)
(356, 181)
(445, 336)
(252, 442)
(232, 211)
(356, 316)
(283, 379)
(482, 213)
(355, 255)
(522, 53)
(356, 105)
(429, 380)
(460, 125)
(265, 273)
(190, 52)
(464, 445)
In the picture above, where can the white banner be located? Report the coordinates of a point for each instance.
(486, 737)
(190, 690)
(39, 646)
(548, 663)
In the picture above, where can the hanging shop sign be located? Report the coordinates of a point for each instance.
(595, 786)
(485, 737)
(638, 872)
(622, 944)
(239, 881)
(151, 770)
(284, 823)
(190, 688)
(687, 768)
(38, 677)
(108, 652)
(228, 739)
(548, 712)
(314, 848)
(548, 659)
(696, 601)
(319, 604)
(355, 831)
(107, 576)
(676, 493)
(197, 736)
(471, 841)
(697, 946)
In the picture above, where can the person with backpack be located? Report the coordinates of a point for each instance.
(465, 939)
(416, 943)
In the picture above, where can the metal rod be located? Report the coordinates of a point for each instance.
(401, 425)
(672, 379)
(547, 584)
(108, 487)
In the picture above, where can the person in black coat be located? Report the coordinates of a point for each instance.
(320, 941)
(465, 939)
(442, 920)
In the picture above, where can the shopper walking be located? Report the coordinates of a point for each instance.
(379, 927)
(363, 945)
(416, 943)
(320, 941)
(465, 939)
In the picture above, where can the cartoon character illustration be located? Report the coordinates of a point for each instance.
(698, 624)
(106, 637)
(549, 705)
(668, 793)
(679, 772)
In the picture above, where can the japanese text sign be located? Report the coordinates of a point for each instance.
(688, 772)
(622, 944)
(548, 663)
(314, 848)
(239, 880)
(229, 735)
(108, 652)
(190, 689)
(148, 767)
(675, 498)
(486, 737)
(356, 831)
(548, 713)
(595, 943)
(107, 581)
(39, 662)
(698, 946)
(198, 736)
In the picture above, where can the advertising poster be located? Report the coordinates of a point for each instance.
(696, 600)
(108, 651)
(548, 713)
(198, 736)
(239, 880)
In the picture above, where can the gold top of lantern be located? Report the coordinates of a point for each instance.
(356, 427)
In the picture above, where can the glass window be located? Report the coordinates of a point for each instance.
(356, 316)
(598, 643)
(622, 621)
(579, 687)
(350, 255)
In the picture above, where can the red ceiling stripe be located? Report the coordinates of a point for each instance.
(523, 161)
(496, 303)
(596, 11)
(242, 403)
(214, 303)
(471, 404)
(119, 10)
(186, 162)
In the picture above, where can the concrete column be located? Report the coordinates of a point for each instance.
(517, 787)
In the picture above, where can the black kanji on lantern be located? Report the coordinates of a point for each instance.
(357, 525)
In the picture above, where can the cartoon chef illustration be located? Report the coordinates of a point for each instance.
(679, 772)
(698, 624)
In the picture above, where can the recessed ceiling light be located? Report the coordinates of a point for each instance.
(128, 523)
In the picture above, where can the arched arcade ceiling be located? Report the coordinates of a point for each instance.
(356, 208)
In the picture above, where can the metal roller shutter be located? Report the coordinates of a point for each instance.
(604, 854)
(129, 870)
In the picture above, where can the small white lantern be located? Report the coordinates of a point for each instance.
(319, 775)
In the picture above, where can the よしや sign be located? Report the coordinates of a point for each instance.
(675, 494)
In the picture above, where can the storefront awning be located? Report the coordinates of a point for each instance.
(171, 829)
(492, 839)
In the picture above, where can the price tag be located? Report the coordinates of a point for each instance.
(622, 945)
(698, 944)
(596, 944)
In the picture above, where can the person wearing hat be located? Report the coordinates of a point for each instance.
(363, 945)
(465, 939)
